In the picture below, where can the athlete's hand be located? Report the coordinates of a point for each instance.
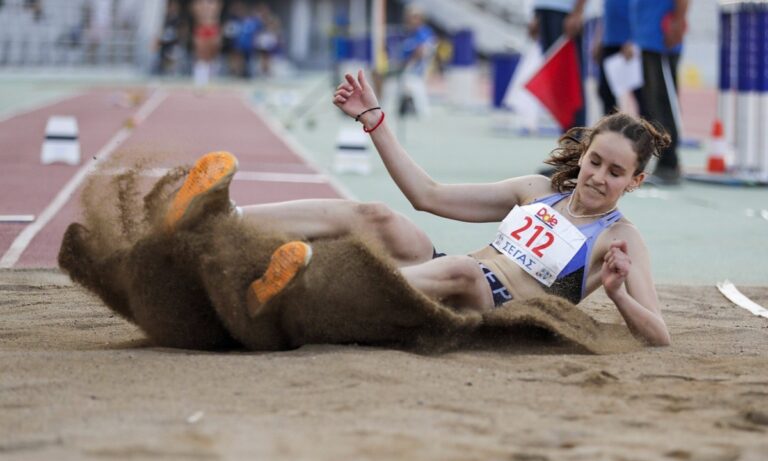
(572, 24)
(616, 267)
(673, 28)
(353, 96)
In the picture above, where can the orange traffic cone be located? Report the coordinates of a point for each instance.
(717, 149)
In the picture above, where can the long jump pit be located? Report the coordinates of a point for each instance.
(79, 382)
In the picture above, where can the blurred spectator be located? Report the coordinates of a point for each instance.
(553, 19)
(207, 38)
(443, 53)
(168, 45)
(340, 43)
(614, 36)
(658, 27)
(230, 31)
(250, 27)
(35, 7)
(267, 38)
(98, 15)
(418, 50)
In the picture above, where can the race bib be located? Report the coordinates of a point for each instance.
(539, 239)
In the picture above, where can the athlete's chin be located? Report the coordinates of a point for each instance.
(597, 199)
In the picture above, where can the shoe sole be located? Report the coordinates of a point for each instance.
(284, 265)
(211, 172)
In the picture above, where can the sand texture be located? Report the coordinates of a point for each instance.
(79, 382)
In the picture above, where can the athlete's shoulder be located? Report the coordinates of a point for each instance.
(536, 186)
(622, 229)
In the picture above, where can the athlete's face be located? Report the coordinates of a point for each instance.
(607, 171)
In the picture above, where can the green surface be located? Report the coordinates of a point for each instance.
(20, 96)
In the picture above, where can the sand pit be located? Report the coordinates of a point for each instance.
(79, 382)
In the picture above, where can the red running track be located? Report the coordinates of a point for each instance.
(182, 127)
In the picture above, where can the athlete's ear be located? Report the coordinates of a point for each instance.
(637, 181)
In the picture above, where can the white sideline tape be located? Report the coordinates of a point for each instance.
(735, 296)
(17, 218)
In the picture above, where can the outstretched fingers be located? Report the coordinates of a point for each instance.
(341, 95)
(362, 80)
(352, 82)
(346, 90)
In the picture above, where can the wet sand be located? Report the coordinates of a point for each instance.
(77, 382)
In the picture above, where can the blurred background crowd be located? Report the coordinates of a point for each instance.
(477, 44)
(157, 36)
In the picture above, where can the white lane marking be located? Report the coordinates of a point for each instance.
(281, 177)
(735, 296)
(294, 145)
(17, 218)
(25, 237)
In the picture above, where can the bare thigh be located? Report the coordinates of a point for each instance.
(455, 280)
(323, 218)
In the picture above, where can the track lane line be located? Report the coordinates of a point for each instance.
(297, 148)
(22, 241)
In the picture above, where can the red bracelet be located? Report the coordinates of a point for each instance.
(376, 125)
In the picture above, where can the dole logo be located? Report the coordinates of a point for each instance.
(548, 219)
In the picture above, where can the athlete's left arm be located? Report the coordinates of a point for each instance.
(626, 278)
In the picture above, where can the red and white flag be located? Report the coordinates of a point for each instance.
(557, 84)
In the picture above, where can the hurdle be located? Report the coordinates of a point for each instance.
(743, 92)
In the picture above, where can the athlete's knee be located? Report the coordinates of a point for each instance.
(463, 271)
(375, 214)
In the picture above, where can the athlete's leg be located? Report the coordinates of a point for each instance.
(206, 189)
(454, 280)
(318, 218)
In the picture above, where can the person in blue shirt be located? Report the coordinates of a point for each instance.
(615, 38)
(416, 52)
(658, 27)
(419, 43)
(250, 26)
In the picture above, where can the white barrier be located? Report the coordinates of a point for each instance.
(352, 151)
(61, 142)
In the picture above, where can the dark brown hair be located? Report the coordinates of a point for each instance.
(648, 139)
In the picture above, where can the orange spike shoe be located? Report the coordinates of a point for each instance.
(286, 262)
(207, 185)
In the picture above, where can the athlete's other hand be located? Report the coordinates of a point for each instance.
(353, 96)
(616, 267)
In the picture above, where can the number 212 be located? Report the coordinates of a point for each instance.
(537, 229)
